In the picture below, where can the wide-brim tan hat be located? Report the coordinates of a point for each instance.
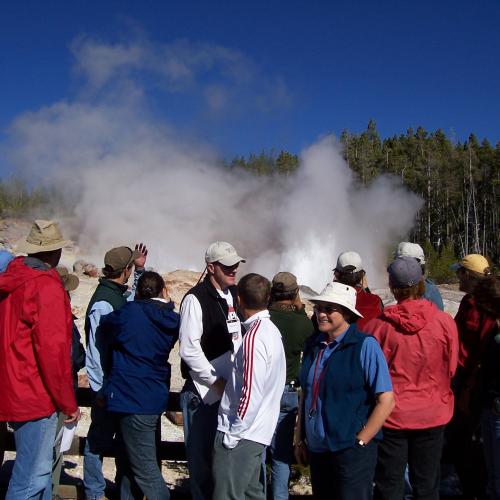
(44, 236)
(70, 281)
(338, 293)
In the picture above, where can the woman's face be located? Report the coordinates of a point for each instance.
(330, 318)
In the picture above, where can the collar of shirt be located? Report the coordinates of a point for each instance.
(322, 339)
(259, 315)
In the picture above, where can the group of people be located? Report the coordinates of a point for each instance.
(365, 395)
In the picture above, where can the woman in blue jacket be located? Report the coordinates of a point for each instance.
(141, 335)
(347, 395)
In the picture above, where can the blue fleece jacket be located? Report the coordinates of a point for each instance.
(141, 335)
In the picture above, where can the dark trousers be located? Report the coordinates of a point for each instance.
(345, 474)
(465, 451)
(141, 475)
(100, 440)
(421, 449)
(200, 425)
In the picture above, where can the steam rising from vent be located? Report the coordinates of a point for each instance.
(132, 178)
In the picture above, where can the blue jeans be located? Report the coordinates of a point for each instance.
(490, 428)
(32, 473)
(100, 440)
(281, 448)
(200, 425)
(141, 476)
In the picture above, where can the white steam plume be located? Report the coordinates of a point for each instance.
(132, 178)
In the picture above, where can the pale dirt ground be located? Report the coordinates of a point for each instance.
(178, 283)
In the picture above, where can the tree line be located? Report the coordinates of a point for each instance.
(458, 181)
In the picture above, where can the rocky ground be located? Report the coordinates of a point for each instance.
(178, 283)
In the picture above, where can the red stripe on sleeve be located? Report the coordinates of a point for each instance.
(248, 367)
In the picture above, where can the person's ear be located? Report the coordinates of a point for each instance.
(210, 268)
(241, 302)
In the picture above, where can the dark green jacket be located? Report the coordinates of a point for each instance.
(295, 328)
(106, 291)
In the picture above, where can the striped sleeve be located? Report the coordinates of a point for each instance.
(255, 369)
(248, 353)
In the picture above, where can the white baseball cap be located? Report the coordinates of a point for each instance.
(337, 293)
(407, 249)
(222, 252)
(349, 262)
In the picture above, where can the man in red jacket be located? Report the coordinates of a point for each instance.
(35, 358)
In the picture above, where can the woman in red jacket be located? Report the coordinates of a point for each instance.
(420, 343)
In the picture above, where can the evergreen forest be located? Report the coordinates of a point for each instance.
(458, 181)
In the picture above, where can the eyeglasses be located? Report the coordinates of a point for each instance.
(326, 309)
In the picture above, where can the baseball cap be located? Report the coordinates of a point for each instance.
(404, 272)
(408, 249)
(119, 258)
(70, 281)
(473, 262)
(349, 262)
(223, 252)
(337, 293)
(284, 282)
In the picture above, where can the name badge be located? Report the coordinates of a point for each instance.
(233, 327)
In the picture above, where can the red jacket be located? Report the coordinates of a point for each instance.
(473, 329)
(369, 305)
(35, 344)
(420, 343)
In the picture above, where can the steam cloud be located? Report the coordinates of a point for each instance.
(131, 177)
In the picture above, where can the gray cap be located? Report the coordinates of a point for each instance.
(222, 252)
(404, 272)
(408, 249)
(349, 262)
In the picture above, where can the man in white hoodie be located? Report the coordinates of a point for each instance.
(250, 405)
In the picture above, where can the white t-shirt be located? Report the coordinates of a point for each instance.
(191, 330)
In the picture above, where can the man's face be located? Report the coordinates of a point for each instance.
(222, 276)
(465, 282)
(128, 272)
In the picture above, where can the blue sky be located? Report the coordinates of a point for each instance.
(245, 77)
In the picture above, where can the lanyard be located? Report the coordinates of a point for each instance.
(317, 382)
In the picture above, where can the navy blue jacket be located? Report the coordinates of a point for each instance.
(141, 335)
(347, 400)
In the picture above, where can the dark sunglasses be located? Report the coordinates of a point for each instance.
(326, 309)
(227, 269)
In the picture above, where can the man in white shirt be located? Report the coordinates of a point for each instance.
(250, 405)
(210, 332)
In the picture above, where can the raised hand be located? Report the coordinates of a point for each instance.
(141, 260)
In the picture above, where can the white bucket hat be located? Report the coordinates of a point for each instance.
(44, 236)
(337, 293)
